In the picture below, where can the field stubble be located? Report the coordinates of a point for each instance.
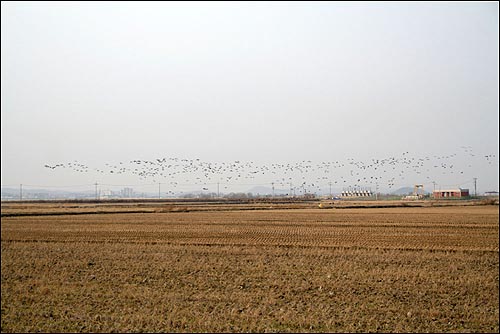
(348, 270)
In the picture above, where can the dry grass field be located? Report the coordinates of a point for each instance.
(173, 268)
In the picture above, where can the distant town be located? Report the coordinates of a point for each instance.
(129, 193)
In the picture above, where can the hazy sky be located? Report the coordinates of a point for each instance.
(259, 82)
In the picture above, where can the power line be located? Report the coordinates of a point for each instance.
(128, 185)
(47, 186)
(456, 184)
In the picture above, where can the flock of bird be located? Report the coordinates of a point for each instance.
(299, 176)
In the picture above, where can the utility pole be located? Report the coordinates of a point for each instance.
(272, 183)
(21, 191)
(434, 183)
(475, 189)
(96, 190)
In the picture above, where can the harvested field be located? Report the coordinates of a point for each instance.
(78, 207)
(223, 269)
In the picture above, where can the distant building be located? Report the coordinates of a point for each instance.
(451, 193)
(491, 193)
(127, 192)
(105, 194)
(356, 192)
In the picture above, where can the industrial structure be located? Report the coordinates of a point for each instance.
(451, 193)
(416, 194)
(356, 192)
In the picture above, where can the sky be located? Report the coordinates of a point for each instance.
(292, 84)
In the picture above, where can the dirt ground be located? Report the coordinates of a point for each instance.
(405, 269)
